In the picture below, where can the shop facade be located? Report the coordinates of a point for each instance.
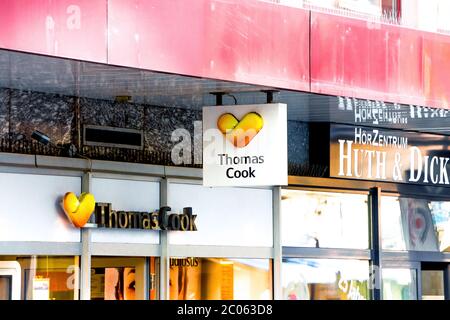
(365, 213)
(315, 239)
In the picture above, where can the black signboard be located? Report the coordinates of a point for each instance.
(370, 153)
(390, 115)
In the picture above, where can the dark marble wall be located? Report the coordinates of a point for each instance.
(4, 114)
(55, 115)
(298, 142)
(157, 123)
(160, 122)
(112, 114)
(48, 113)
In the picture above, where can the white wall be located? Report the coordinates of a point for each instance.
(225, 216)
(127, 195)
(30, 208)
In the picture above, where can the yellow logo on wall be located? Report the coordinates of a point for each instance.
(240, 133)
(78, 209)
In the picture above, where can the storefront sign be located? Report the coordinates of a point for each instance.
(80, 209)
(245, 145)
(386, 114)
(184, 262)
(389, 155)
(105, 217)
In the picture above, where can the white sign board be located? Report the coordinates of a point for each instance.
(245, 145)
(41, 288)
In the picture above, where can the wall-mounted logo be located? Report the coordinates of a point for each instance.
(162, 219)
(240, 133)
(78, 209)
(245, 145)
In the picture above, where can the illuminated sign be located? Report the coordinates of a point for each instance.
(161, 219)
(80, 209)
(245, 145)
(389, 155)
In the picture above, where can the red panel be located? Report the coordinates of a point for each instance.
(247, 41)
(66, 28)
(369, 60)
(436, 65)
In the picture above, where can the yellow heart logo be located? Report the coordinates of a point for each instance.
(78, 210)
(240, 133)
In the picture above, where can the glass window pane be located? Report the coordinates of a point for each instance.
(5, 287)
(372, 7)
(440, 213)
(123, 278)
(399, 284)
(433, 285)
(325, 279)
(325, 220)
(415, 224)
(47, 277)
(426, 15)
(220, 279)
(391, 224)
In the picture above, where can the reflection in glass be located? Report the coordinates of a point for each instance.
(48, 277)
(391, 224)
(399, 284)
(122, 278)
(325, 279)
(433, 285)
(220, 279)
(325, 220)
(415, 224)
(440, 213)
(5, 287)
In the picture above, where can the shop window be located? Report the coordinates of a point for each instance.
(40, 277)
(193, 278)
(325, 279)
(123, 278)
(324, 220)
(415, 224)
(5, 287)
(427, 15)
(399, 284)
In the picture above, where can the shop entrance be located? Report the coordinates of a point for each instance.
(9, 280)
(435, 281)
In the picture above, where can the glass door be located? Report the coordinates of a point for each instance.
(9, 280)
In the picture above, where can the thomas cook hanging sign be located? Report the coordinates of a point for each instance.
(389, 155)
(245, 145)
(80, 209)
